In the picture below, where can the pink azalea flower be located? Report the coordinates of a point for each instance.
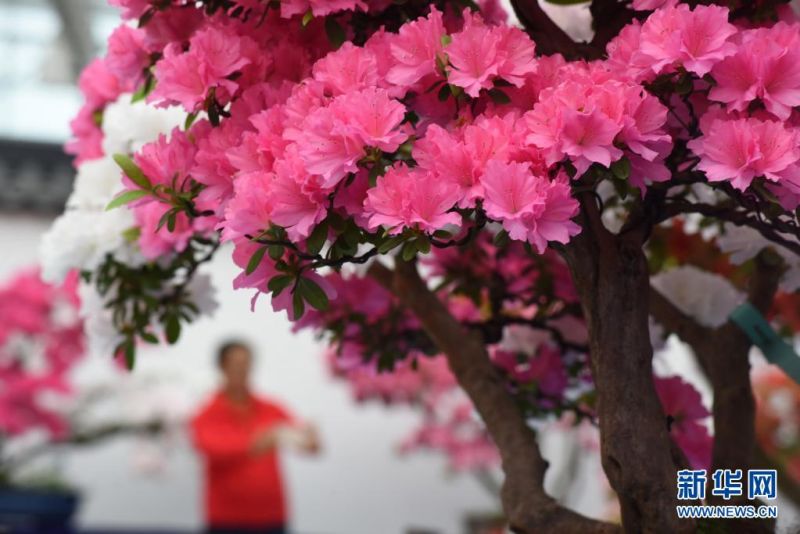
(373, 117)
(449, 159)
(127, 57)
(696, 39)
(649, 5)
(742, 149)
(155, 242)
(329, 146)
(131, 9)
(99, 85)
(415, 48)
(348, 69)
(429, 202)
(474, 56)
(212, 167)
(530, 208)
(766, 66)
(166, 161)
(293, 205)
(517, 51)
(387, 203)
(589, 138)
(186, 77)
(249, 211)
(683, 404)
(319, 8)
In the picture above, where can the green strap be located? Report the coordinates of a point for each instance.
(777, 351)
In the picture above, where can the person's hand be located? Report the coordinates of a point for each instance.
(264, 441)
(313, 444)
(299, 437)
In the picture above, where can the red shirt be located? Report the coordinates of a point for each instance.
(242, 489)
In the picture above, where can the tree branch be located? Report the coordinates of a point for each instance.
(608, 19)
(528, 508)
(549, 38)
(739, 218)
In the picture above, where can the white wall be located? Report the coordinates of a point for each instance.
(359, 484)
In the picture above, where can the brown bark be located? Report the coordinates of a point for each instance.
(548, 36)
(528, 508)
(611, 275)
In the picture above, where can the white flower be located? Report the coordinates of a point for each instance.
(128, 126)
(96, 183)
(706, 297)
(523, 339)
(203, 293)
(81, 239)
(101, 336)
(743, 244)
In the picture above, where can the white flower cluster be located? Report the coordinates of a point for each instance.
(744, 243)
(706, 297)
(83, 236)
(86, 233)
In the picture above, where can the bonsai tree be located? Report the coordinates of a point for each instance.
(422, 178)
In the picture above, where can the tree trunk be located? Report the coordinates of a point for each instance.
(528, 508)
(613, 282)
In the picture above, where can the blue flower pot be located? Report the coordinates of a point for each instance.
(28, 511)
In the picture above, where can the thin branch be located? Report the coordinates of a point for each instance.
(733, 216)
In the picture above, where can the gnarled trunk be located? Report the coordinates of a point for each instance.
(637, 454)
(528, 508)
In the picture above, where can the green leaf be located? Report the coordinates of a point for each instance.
(190, 118)
(409, 251)
(163, 220)
(132, 171)
(501, 239)
(278, 283)
(335, 32)
(255, 260)
(172, 327)
(129, 352)
(145, 89)
(444, 93)
(313, 293)
(298, 306)
(390, 243)
(621, 168)
(498, 96)
(423, 245)
(307, 18)
(446, 40)
(126, 198)
(316, 240)
(172, 220)
(442, 234)
(149, 338)
(275, 252)
(131, 235)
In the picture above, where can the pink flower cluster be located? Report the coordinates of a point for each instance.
(41, 338)
(673, 37)
(684, 406)
(740, 149)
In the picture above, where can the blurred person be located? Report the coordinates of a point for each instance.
(239, 434)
